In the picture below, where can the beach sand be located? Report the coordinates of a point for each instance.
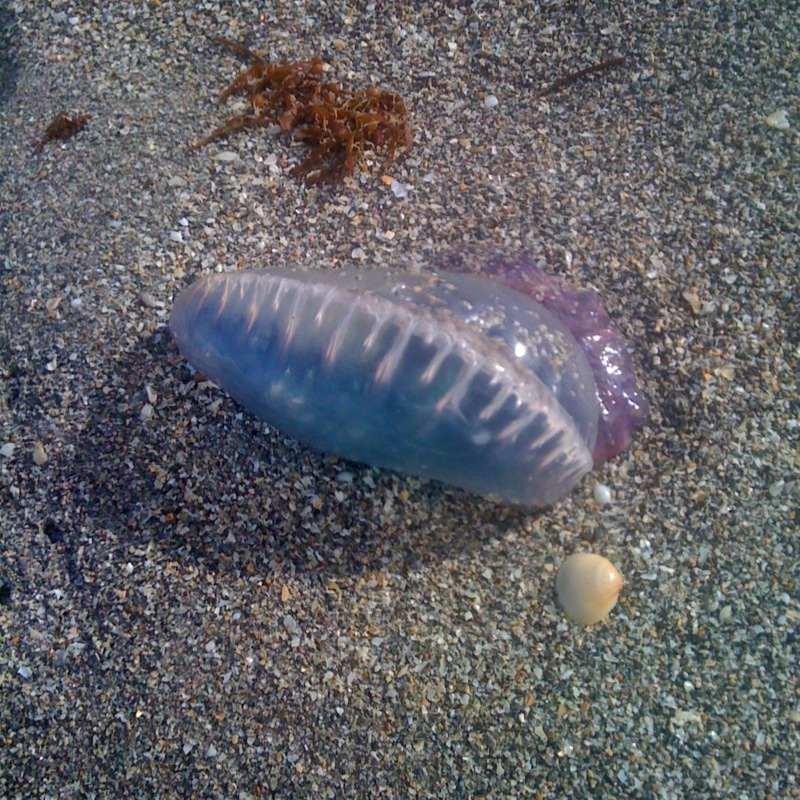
(192, 604)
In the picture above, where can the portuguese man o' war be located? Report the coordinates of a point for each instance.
(508, 386)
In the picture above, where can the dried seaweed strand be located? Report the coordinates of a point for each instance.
(574, 77)
(239, 48)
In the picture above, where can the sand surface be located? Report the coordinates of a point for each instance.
(194, 605)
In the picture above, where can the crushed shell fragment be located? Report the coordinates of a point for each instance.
(588, 587)
(39, 454)
(779, 120)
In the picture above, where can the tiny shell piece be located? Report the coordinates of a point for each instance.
(39, 454)
(779, 120)
(588, 587)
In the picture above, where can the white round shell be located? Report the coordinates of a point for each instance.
(587, 586)
(603, 494)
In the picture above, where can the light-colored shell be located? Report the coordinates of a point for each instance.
(39, 454)
(587, 587)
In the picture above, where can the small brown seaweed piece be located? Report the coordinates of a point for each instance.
(340, 125)
(63, 126)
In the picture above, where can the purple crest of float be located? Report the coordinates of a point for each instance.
(491, 385)
(622, 408)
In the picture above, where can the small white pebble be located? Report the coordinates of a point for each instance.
(490, 101)
(39, 455)
(146, 413)
(776, 488)
(7, 450)
(358, 253)
(399, 189)
(24, 672)
(290, 623)
(176, 236)
(603, 494)
(778, 120)
(587, 586)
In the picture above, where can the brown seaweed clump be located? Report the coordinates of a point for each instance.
(340, 125)
(63, 126)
